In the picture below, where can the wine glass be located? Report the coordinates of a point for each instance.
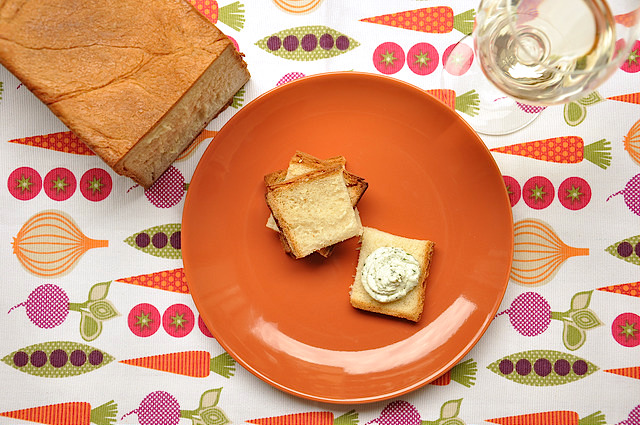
(530, 54)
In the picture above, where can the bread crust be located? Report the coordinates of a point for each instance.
(360, 299)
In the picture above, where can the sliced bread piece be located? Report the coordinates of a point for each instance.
(313, 210)
(411, 305)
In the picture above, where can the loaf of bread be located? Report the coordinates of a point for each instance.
(136, 80)
(314, 210)
(411, 305)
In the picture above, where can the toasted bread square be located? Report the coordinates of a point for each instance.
(410, 306)
(313, 210)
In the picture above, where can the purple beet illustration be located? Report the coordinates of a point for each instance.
(631, 194)
(161, 408)
(48, 305)
(400, 412)
(530, 315)
(634, 417)
(168, 190)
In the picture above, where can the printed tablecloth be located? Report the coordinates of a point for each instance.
(97, 324)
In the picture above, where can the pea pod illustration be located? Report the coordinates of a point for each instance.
(542, 367)
(307, 43)
(57, 359)
(161, 241)
(627, 249)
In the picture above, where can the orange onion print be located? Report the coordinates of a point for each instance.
(50, 244)
(632, 142)
(297, 6)
(538, 253)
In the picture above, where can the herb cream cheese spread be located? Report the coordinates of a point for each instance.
(389, 273)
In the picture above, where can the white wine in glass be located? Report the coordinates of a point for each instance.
(547, 52)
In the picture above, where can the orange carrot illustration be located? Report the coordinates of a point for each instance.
(75, 413)
(309, 418)
(64, 141)
(629, 372)
(463, 373)
(231, 14)
(628, 98)
(204, 135)
(632, 289)
(558, 417)
(563, 150)
(167, 280)
(439, 19)
(627, 19)
(468, 103)
(196, 364)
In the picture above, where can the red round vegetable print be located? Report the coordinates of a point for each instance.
(538, 192)
(457, 59)
(203, 328)
(95, 184)
(626, 329)
(24, 183)
(574, 193)
(513, 189)
(178, 320)
(144, 320)
(388, 58)
(632, 63)
(59, 184)
(422, 58)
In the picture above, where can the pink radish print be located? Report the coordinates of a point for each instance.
(168, 190)
(530, 109)
(400, 412)
(530, 315)
(161, 408)
(634, 417)
(631, 194)
(48, 305)
(291, 76)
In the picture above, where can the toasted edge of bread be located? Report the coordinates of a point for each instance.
(409, 307)
(280, 213)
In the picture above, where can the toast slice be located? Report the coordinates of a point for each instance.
(313, 210)
(410, 306)
(302, 163)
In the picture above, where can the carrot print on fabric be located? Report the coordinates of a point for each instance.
(50, 244)
(309, 418)
(631, 289)
(73, 413)
(558, 417)
(629, 372)
(166, 280)
(231, 15)
(627, 98)
(467, 103)
(464, 373)
(562, 150)
(538, 253)
(197, 364)
(64, 141)
(435, 20)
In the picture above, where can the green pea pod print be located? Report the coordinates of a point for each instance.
(57, 359)
(307, 43)
(626, 249)
(542, 368)
(160, 241)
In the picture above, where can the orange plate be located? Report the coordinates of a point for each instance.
(289, 321)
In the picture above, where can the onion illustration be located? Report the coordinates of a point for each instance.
(50, 244)
(632, 142)
(538, 253)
